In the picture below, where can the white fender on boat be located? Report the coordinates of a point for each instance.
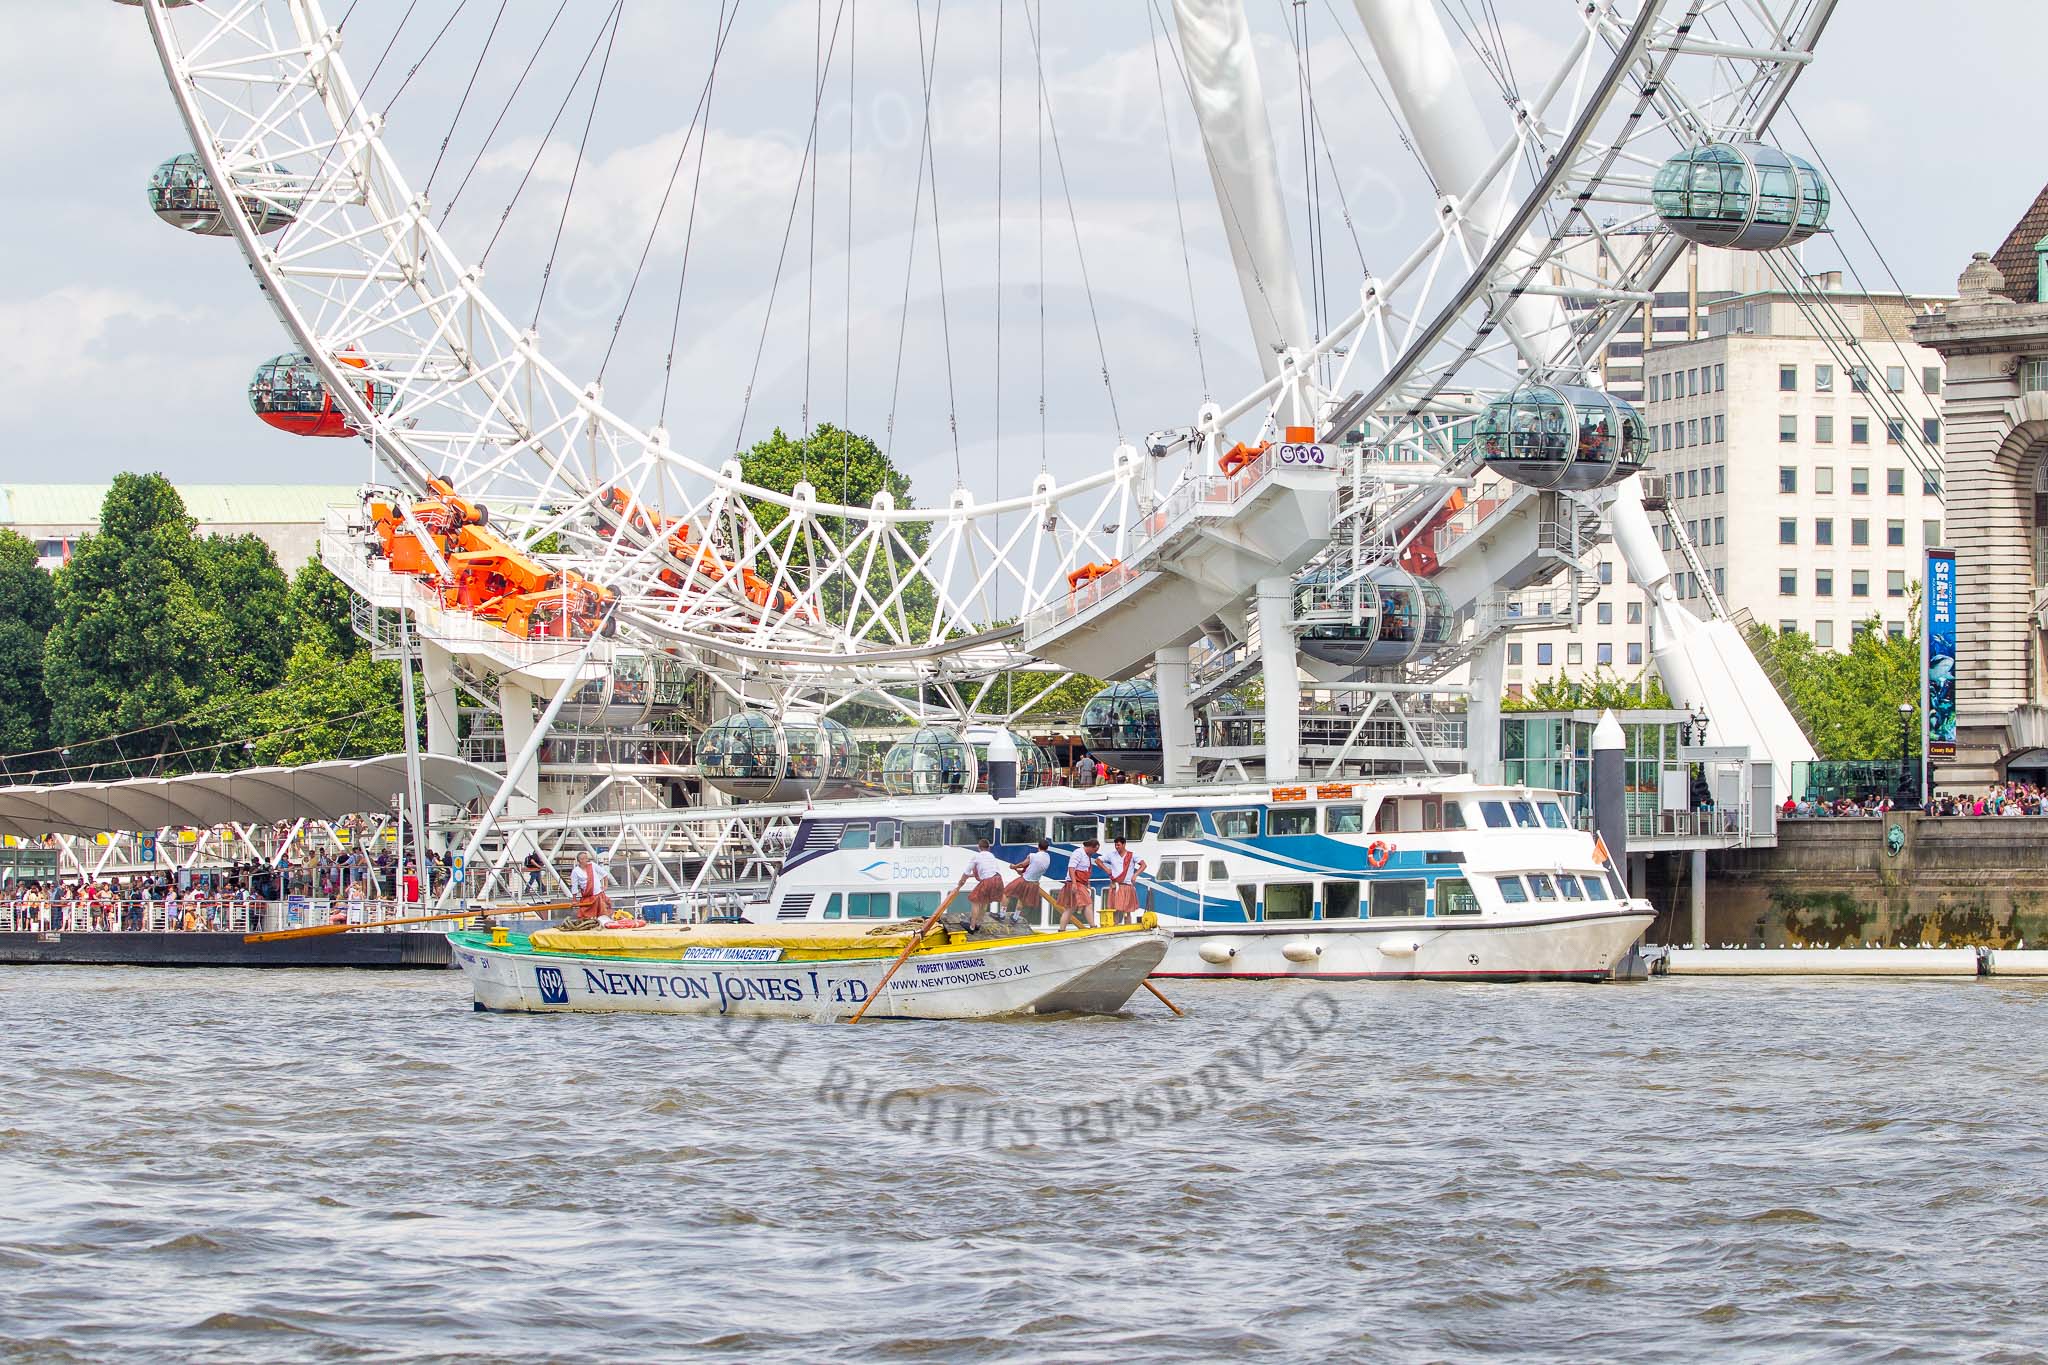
(1403, 948)
(1216, 952)
(1301, 950)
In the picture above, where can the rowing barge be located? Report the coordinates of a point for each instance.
(808, 971)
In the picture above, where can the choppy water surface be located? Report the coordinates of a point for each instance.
(263, 1166)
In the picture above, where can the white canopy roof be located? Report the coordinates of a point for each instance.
(316, 791)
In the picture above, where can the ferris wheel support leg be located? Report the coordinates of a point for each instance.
(1283, 679)
(438, 671)
(1176, 716)
(515, 707)
(1482, 711)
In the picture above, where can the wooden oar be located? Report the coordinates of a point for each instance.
(904, 956)
(319, 930)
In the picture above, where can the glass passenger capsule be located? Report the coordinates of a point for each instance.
(1031, 760)
(932, 762)
(1385, 618)
(288, 393)
(1742, 195)
(1122, 725)
(749, 756)
(181, 194)
(1561, 436)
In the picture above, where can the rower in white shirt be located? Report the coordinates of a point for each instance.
(985, 871)
(1024, 888)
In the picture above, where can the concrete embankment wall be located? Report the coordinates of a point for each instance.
(1833, 883)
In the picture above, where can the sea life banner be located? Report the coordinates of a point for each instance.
(1938, 661)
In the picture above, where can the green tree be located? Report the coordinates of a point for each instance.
(320, 606)
(328, 708)
(27, 607)
(1851, 700)
(1600, 692)
(133, 642)
(244, 586)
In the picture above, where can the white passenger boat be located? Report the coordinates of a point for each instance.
(807, 971)
(1436, 878)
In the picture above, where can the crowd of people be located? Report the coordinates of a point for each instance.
(2005, 798)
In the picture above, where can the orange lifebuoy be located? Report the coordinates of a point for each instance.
(1377, 852)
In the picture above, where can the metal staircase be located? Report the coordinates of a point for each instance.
(1656, 500)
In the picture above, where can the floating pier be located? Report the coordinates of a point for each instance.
(376, 950)
(1897, 962)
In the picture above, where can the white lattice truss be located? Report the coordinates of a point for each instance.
(363, 271)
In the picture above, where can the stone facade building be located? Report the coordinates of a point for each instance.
(1994, 338)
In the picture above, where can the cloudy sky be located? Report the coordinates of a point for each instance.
(131, 343)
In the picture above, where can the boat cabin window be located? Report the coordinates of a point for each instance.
(1454, 897)
(1131, 828)
(1292, 820)
(1343, 819)
(1525, 814)
(1181, 824)
(1290, 900)
(1387, 819)
(1074, 829)
(1570, 886)
(923, 834)
(1190, 870)
(1540, 886)
(968, 833)
(1397, 897)
(1511, 890)
(1216, 872)
(1432, 812)
(1024, 830)
(868, 905)
(1454, 815)
(1340, 900)
(1553, 815)
(1249, 896)
(1596, 888)
(1166, 871)
(832, 906)
(916, 904)
(885, 834)
(1237, 824)
(855, 835)
(1495, 813)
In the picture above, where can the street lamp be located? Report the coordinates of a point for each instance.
(1907, 794)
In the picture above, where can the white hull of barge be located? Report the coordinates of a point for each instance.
(1580, 947)
(1082, 973)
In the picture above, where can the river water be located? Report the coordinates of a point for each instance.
(256, 1166)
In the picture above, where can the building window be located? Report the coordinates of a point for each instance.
(1824, 634)
(1930, 379)
(1930, 485)
(1788, 429)
(1788, 478)
(1824, 379)
(1720, 526)
(1859, 431)
(1895, 533)
(1574, 654)
(1720, 427)
(1859, 531)
(1603, 655)
(1635, 613)
(1894, 431)
(1692, 432)
(1859, 379)
(1606, 571)
(1788, 582)
(1720, 378)
(1788, 627)
(1788, 530)
(1635, 654)
(1823, 530)
(1664, 437)
(1721, 581)
(1823, 582)
(1824, 430)
(1895, 378)
(1859, 583)
(1824, 479)
(1603, 613)
(1895, 482)
(1895, 629)
(2034, 376)
(1930, 430)
(1543, 655)
(1930, 533)
(1515, 654)
(1859, 483)
(1788, 379)
(1720, 478)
